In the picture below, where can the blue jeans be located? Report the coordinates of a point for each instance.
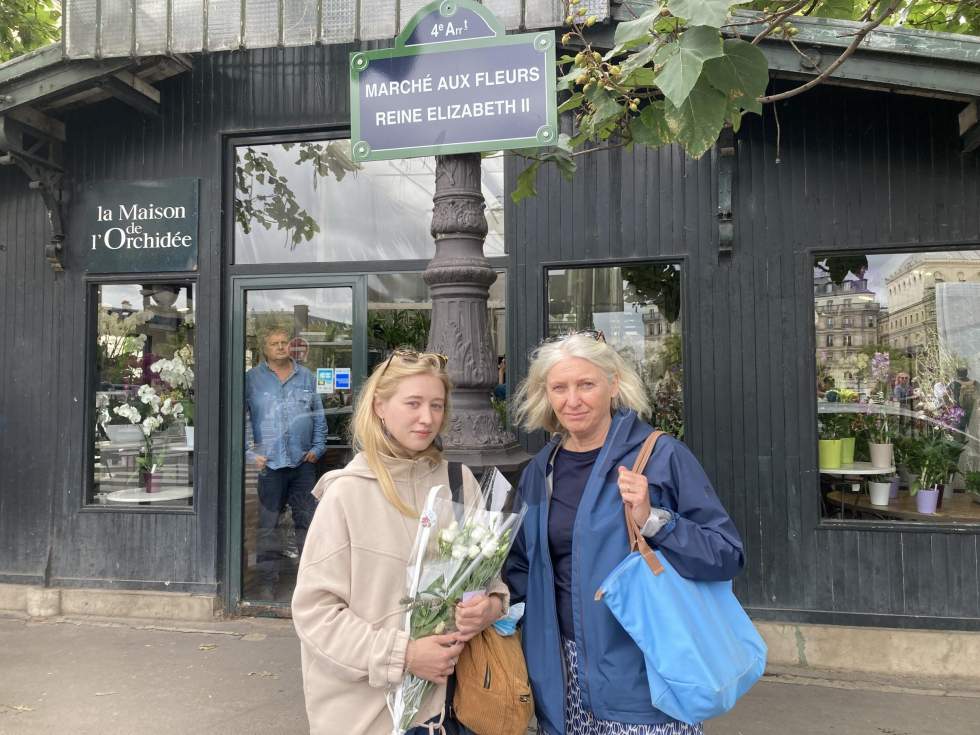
(277, 488)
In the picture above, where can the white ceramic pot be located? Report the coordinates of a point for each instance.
(879, 492)
(882, 455)
(189, 436)
(124, 433)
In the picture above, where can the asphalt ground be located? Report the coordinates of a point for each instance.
(101, 677)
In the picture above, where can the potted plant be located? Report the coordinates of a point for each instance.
(829, 444)
(881, 432)
(178, 373)
(152, 414)
(972, 479)
(931, 465)
(879, 487)
(849, 424)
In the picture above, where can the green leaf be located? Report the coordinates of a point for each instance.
(742, 73)
(696, 123)
(642, 77)
(526, 183)
(843, 9)
(564, 142)
(571, 103)
(634, 30)
(567, 80)
(639, 59)
(703, 12)
(605, 106)
(683, 67)
(650, 128)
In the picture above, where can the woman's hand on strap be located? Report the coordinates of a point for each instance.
(635, 491)
(476, 615)
(434, 657)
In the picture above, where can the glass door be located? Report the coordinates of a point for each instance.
(298, 357)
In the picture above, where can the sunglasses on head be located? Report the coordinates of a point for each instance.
(595, 334)
(411, 357)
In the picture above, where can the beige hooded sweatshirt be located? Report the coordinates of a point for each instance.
(346, 605)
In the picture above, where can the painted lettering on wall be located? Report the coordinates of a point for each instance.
(140, 226)
(129, 234)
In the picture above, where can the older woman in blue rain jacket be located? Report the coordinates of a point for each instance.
(587, 674)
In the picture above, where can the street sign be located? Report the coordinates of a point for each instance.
(453, 83)
(299, 348)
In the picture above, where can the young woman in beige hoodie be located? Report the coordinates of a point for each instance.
(352, 576)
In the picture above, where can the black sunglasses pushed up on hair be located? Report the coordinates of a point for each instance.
(595, 334)
(412, 356)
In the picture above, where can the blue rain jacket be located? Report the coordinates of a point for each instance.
(700, 541)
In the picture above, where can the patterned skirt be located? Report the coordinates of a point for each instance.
(580, 721)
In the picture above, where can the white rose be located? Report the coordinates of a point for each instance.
(478, 533)
(473, 551)
(459, 552)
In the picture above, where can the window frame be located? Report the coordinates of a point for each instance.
(681, 260)
(231, 141)
(810, 479)
(91, 282)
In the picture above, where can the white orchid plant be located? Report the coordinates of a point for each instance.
(156, 407)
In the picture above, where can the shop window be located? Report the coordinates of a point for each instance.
(619, 301)
(144, 396)
(310, 202)
(898, 424)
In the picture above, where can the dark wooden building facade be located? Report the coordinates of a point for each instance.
(842, 170)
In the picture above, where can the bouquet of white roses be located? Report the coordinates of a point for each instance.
(460, 548)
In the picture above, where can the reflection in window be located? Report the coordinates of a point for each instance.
(144, 396)
(629, 305)
(310, 202)
(298, 402)
(897, 419)
(399, 314)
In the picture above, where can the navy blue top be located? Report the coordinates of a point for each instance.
(572, 470)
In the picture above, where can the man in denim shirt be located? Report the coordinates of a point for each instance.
(289, 435)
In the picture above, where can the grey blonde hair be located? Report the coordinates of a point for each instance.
(531, 405)
(368, 432)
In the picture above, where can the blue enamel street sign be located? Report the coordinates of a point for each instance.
(453, 83)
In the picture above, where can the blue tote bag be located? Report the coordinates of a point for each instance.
(701, 650)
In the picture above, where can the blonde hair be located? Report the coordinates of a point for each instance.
(368, 432)
(532, 407)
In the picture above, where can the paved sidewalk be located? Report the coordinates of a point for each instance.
(102, 677)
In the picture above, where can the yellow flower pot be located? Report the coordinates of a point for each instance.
(831, 453)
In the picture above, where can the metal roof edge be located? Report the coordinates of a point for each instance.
(933, 45)
(36, 60)
(954, 47)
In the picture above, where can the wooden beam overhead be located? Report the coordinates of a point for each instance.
(133, 91)
(38, 121)
(969, 118)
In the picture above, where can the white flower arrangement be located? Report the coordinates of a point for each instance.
(464, 556)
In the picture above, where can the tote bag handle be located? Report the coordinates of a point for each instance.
(637, 542)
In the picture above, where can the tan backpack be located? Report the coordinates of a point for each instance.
(493, 693)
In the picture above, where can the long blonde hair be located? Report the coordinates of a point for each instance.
(533, 409)
(368, 431)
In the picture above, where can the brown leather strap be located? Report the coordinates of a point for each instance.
(637, 542)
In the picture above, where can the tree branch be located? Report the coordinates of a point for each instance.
(858, 38)
(774, 22)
